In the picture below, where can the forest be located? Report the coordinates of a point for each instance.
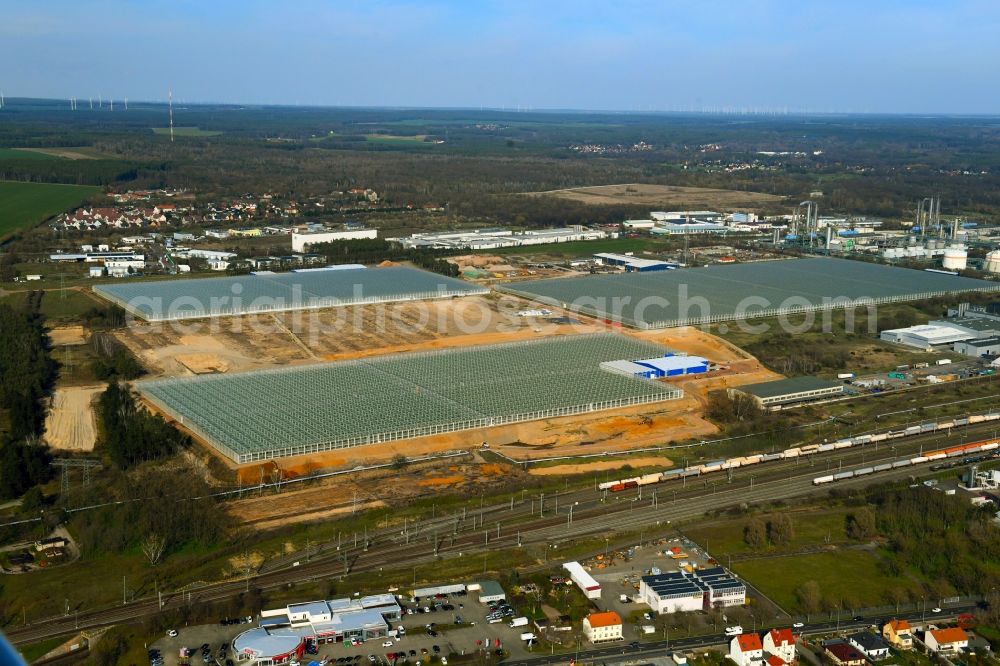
(477, 162)
(374, 251)
(28, 372)
(131, 435)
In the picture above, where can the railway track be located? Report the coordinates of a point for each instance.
(594, 513)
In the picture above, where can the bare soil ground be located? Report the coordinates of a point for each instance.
(200, 363)
(234, 346)
(665, 196)
(600, 466)
(69, 425)
(68, 335)
(342, 495)
(249, 343)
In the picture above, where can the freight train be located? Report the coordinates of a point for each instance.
(620, 485)
(987, 447)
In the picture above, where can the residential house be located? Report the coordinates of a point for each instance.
(843, 653)
(898, 634)
(603, 627)
(780, 643)
(946, 641)
(746, 650)
(870, 645)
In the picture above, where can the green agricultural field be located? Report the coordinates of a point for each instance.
(24, 205)
(16, 154)
(186, 131)
(851, 577)
(419, 139)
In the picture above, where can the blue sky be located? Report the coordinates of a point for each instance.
(912, 56)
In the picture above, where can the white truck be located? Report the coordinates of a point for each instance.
(518, 622)
(528, 636)
(943, 361)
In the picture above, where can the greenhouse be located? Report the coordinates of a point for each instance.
(291, 411)
(741, 291)
(165, 300)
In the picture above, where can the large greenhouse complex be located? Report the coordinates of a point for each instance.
(721, 293)
(292, 411)
(165, 300)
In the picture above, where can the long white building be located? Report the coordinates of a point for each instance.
(925, 336)
(301, 241)
(590, 587)
(491, 239)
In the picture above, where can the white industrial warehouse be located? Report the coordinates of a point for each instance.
(702, 589)
(301, 241)
(491, 239)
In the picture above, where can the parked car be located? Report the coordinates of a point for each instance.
(734, 631)
(172, 633)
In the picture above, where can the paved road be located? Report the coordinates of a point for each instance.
(663, 648)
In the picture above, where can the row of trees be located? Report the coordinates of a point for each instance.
(778, 530)
(132, 435)
(28, 373)
(376, 250)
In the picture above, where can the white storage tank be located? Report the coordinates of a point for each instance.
(955, 259)
(992, 263)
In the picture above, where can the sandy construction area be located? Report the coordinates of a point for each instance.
(170, 353)
(614, 430)
(667, 196)
(67, 335)
(600, 465)
(247, 343)
(695, 342)
(69, 425)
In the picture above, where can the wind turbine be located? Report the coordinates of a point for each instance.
(170, 102)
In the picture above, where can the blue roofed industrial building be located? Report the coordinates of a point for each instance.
(670, 365)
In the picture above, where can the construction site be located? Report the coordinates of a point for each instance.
(574, 410)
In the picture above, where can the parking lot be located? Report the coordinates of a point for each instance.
(416, 646)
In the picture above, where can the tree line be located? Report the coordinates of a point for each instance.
(28, 373)
(943, 541)
(131, 435)
(377, 250)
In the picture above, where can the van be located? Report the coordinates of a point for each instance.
(734, 631)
